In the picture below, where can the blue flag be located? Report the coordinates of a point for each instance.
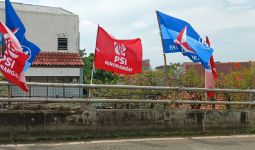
(1, 39)
(14, 23)
(179, 36)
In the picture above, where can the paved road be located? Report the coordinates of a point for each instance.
(192, 143)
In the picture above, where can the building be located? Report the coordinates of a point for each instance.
(162, 67)
(56, 32)
(222, 68)
(174, 66)
(146, 64)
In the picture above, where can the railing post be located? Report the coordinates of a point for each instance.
(90, 95)
(80, 93)
(30, 94)
(47, 92)
(166, 97)
(213, 105)
(176, 97)
(250, 99)
(64, 92)
(251, 96)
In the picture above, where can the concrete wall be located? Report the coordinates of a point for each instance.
(55, 124)
(44, 26)
(54, 72)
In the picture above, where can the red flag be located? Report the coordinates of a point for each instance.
(213, 67)
(13, 61)
(118, 56)
(210, 74)
(209, 82)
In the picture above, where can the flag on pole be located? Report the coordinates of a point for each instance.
(14, 23)
(212, 63)
(179, 36)
(211, 74)
(13, 61)
(118, 56)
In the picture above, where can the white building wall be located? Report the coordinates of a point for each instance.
(53, 72)
(44, 28)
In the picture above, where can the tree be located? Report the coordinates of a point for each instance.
(192, 79)
(146, 78)
(100, 76)
(240, 79)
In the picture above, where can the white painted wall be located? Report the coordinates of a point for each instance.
(44, 26)
(59, 72)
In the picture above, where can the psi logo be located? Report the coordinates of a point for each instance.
(120, 51)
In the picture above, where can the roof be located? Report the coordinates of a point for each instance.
(58, 59)
(225, 67)
(37, 8)
(162, 67)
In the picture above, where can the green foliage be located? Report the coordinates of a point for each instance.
(174, 74)
(100, 76)
(146, 78)
(88, 65)
(241, 79)
(192, 79)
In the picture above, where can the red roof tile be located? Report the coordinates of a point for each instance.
(225, 67)
(58, 59)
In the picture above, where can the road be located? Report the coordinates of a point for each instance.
(241, 142)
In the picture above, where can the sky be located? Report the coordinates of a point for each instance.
(230, 24)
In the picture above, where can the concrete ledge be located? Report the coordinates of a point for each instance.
(29, 125)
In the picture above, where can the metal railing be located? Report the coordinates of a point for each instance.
(133, 94)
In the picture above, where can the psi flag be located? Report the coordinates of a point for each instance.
(118, 56)
(13, 61)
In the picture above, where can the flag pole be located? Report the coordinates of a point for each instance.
(91, 78)
(164, 55)
(92, 73)
(93, 67)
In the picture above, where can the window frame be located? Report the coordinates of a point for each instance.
(62, 43)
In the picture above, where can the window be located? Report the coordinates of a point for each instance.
(62, 44)
(63, 79)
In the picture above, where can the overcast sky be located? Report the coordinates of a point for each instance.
(230, 24)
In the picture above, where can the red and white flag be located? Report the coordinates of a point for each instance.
(211, 74)
(118, 56)
(13, 61)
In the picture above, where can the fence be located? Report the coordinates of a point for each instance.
(128, 96)
(46, 91)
